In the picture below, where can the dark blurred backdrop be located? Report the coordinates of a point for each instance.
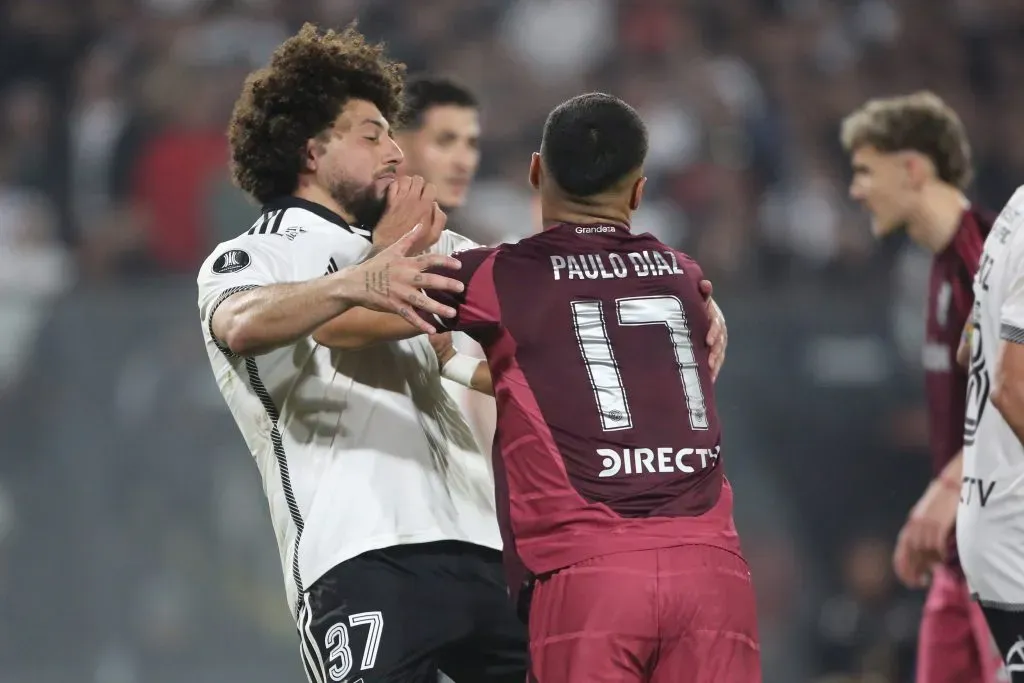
(135, 545)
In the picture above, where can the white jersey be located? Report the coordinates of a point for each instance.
(358, 450)
(990, 520)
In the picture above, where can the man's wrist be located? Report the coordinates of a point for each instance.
(346, 289)
(381, 240)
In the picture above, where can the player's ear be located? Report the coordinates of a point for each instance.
(313, 151)
(638, 193)
(535, 171)
(917, 167)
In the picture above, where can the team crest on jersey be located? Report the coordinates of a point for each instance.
(942, 301)
(231, 262)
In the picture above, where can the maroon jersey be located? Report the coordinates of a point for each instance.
(950, 298)
(608, 439)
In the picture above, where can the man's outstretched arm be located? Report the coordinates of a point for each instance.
(257, 319)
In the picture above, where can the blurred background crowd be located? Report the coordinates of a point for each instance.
(134, 539)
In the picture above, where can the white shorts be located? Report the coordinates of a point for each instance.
(990, 539)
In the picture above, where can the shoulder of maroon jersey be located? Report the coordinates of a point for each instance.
(978, 218)
(969, 240)
(474, 257)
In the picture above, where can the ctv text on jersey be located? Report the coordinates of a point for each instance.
(606, 266)
(634, 461)
(975, 490)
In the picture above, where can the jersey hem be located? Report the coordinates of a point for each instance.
(312, 574)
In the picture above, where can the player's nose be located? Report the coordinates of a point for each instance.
(393, 155)
(465, 161)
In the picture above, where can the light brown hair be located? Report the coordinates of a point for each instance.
(919, 122)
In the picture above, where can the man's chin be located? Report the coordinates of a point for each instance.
(368, 212)
(882, 229)
(451, 201)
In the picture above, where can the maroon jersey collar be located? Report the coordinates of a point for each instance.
(591, 228)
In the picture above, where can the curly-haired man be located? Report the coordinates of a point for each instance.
(382, 501)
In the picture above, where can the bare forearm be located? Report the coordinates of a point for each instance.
(259, 320)
(953, 472)
(361, 327)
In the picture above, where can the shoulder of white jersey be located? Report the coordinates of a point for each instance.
(1008, 224)
(452, 242)
(1013, 211)
(236, 255)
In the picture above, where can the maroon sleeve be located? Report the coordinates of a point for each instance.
(475, 305)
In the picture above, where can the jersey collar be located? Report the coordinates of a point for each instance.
(320, 210)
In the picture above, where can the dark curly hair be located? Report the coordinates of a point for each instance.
(311, 76)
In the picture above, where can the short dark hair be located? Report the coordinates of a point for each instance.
(423, 93)
(592, 142)
(921, 122)
(311, 76)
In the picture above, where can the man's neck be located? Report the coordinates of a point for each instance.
(553, 215)
(936, 222)
(315, 194)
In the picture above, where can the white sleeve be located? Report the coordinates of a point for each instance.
(451, 242)
(240, 264)
(251, 261)
(1011, 313)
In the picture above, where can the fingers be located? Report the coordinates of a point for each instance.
(416, 321)
(400, 189)
(706, 288)
(716, 337)
(425, 261)
(925, 537)
(423, 302)
(416, 186)
(715, 361)
(438, 219)
(429, 193)
(715, 332)
(901, 564)
(438, 282)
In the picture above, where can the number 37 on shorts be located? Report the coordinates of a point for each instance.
(333, 658)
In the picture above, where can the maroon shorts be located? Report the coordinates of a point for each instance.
(675, 615)
(954, 645)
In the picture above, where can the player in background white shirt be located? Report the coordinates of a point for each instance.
(990, 520)
(382, 501)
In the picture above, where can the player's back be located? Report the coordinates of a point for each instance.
(608, 431)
